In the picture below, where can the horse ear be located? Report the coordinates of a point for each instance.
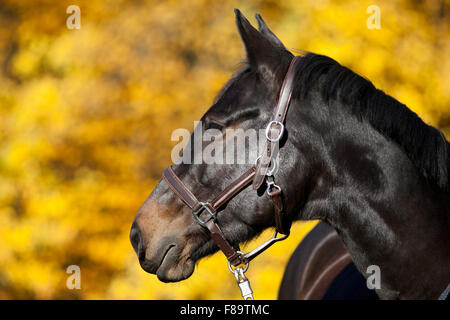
(264, 51)
(264, 29)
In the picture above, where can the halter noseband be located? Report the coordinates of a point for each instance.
(256, 175)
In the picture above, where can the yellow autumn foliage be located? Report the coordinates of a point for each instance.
(86, 117)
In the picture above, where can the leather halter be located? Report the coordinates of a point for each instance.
(256, 175)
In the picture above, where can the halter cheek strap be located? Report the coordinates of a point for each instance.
(275, 128)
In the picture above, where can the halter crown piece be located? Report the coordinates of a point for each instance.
(238, 262)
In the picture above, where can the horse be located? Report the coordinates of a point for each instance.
(348, 155)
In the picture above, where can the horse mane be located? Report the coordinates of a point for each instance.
(424, 145)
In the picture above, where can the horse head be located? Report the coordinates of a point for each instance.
(167, 239)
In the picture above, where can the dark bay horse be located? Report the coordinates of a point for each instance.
(351, 156)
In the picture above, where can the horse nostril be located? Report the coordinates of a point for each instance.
(135, 238)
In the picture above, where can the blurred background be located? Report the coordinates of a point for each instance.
(86, 117)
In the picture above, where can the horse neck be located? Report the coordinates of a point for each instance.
(385, 211)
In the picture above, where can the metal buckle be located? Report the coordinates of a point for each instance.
(196, 214)
(279, 135)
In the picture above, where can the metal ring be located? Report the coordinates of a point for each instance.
(239, 275)
(272, 164)
(233, 270)
(257, 159)
(269, 185)
(279, 135)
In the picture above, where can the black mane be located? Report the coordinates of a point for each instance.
(424, 145)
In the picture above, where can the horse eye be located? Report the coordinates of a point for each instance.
(214, 125)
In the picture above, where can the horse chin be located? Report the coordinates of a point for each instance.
(175, 273)
(177, 266)
(172, 270)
